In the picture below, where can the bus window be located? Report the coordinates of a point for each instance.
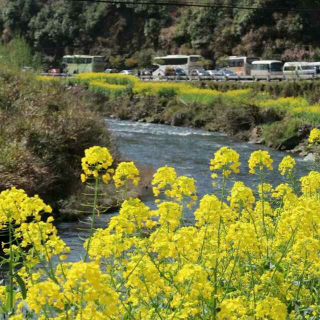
(289, 68)
(68, 60)
(194, 59)
(276, 66)
(262, 66)
(307, 67)
(239, 63)
(79, 60)
(235, 63)
(175, 61)
(88, 60)
(98, 59)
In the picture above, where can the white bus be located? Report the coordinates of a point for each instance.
(316, 66)
(239, 65)
(298, 70)
(267, 70)
(167, 64)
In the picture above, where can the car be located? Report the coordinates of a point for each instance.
(54, 70)
(180, 74)
(127, 72)
(146, 72)
(212, 72)
(111, 71)
(199, 74)
(226, 73)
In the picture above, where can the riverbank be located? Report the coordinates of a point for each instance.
(278, 114)
(249, 122)
(44, 131)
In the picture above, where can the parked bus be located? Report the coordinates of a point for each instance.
(83, 63)
(298, 70)
(239, 65)
(267, 70)
(168, 64)
(316, 66)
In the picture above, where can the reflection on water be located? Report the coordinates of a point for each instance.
(187, 150)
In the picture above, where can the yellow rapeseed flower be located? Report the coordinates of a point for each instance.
(260, 159)
(225, 159)
(287, 165)
(96, 159)
(17, 207)
(314, 137)
(310, 184)
(124, 172)
(271, 308)
(241, 196)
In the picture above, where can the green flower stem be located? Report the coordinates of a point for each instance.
(263, 210)
(94, 212)
(215, 275)
(11, 309)
(51, 268)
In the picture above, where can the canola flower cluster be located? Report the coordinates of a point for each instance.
(248, 255)
(314, 137)
(284, 103)
(113, 90)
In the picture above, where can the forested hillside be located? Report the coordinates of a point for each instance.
(123, 31)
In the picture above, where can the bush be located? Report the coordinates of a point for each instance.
(44, 131)
(275, 134)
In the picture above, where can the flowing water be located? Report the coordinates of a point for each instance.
(187, 150)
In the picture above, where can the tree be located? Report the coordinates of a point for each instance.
(18, 54)
(131, 63)
(116, 62)
(18, 13)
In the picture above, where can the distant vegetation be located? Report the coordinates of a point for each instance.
(129, 35)
(17, 55)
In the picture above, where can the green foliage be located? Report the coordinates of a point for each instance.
(309, 117)
(18, 13)
(57, 24)
(115, 62)
(167, 92)
(17, 54)
(206, 63)
(278, 132)
(59, 27)
(144, 58)
(131, 63)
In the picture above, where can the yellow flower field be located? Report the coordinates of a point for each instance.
(250, 254)
(115, 85)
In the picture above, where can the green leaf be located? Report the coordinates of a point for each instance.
(3, 310)
(21, 285)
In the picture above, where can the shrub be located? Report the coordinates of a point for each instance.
(278, 132)
(45, 130)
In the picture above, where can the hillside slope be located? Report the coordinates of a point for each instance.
(57, 27)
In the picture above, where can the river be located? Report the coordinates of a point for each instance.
(187, 150)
